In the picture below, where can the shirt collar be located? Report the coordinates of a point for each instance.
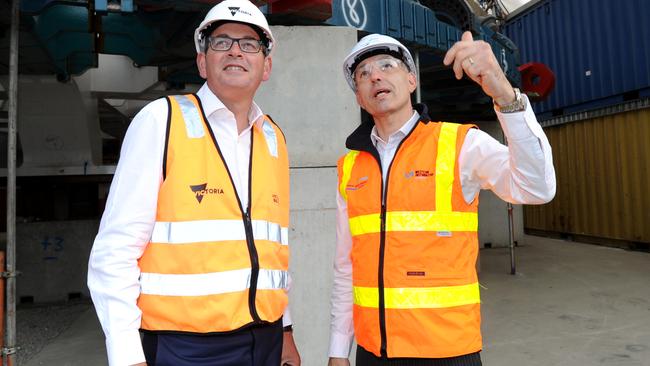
(211, 104)
(398, 135)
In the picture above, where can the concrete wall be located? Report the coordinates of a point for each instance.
(308, 97)
(307, 94)
(53, 258)
(312, 241)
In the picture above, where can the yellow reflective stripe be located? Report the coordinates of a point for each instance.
(445, 166)
(415, 221)
(348, 163)
(418, 297)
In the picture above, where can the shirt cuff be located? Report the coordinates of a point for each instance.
(286, 317)
(125, 349)
(340, 345)
(512, 124)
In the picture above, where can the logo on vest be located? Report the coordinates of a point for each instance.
(276, 198)
(202, 189)
(360, 183)
(418, 174)
(416, 273)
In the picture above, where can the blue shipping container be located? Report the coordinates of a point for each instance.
(599, 50)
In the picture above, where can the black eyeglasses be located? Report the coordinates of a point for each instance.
(223, 43)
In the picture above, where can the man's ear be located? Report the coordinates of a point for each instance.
(413, 82)
(268, 65)
(200, 64)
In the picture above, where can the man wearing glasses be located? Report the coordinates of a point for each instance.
(192, 249)
(405, 283)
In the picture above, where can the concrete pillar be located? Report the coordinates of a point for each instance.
(308, 97)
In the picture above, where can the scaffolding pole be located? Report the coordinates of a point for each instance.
(9, 350)
(418, 92)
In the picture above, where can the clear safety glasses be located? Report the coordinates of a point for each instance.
(386, 65)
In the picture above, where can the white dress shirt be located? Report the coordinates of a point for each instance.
(522, 172)
(130, 214)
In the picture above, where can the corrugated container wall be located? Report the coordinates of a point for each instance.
(599, 51)
(603, 174)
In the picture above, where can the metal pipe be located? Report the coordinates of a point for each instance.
(418, 95)
(511, 231)
(10, 322)
(511, 228)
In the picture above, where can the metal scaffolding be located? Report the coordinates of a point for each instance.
(9, 349)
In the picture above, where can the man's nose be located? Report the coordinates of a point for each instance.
(234, 49)
(375, 74)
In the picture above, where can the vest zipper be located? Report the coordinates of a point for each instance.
(246, 217)
(250, 241)
(382, 248)
(255, 266)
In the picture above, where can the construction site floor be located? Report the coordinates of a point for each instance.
(569, 304)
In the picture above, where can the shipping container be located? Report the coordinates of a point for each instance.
(602, 166)
(599, 51)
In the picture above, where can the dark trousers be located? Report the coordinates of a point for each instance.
(253, 346)
(365, 358)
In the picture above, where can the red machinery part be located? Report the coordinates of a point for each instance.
(537, 80)
(312, 9)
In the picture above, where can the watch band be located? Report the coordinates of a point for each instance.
(518, 105)
(288, 328)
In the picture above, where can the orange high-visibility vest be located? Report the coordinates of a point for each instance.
(212, 265)
(413, 256)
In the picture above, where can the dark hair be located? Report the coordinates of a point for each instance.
(214, 25)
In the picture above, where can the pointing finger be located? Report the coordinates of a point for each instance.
(467, 36)
(449, 56)
(465, 40)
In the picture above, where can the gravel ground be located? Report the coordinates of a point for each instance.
(38, 324)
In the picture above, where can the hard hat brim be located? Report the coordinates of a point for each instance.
(392, 48)
(210, 27)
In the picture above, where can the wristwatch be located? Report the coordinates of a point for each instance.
(518, 105)
(288, 328)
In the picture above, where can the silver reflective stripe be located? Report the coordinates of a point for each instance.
(264, 230)
(193, 123)
(271, 138)
(272, 279)
(184, 232)
(210, 283)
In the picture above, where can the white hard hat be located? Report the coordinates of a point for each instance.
(375, 44)
(240, 11)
